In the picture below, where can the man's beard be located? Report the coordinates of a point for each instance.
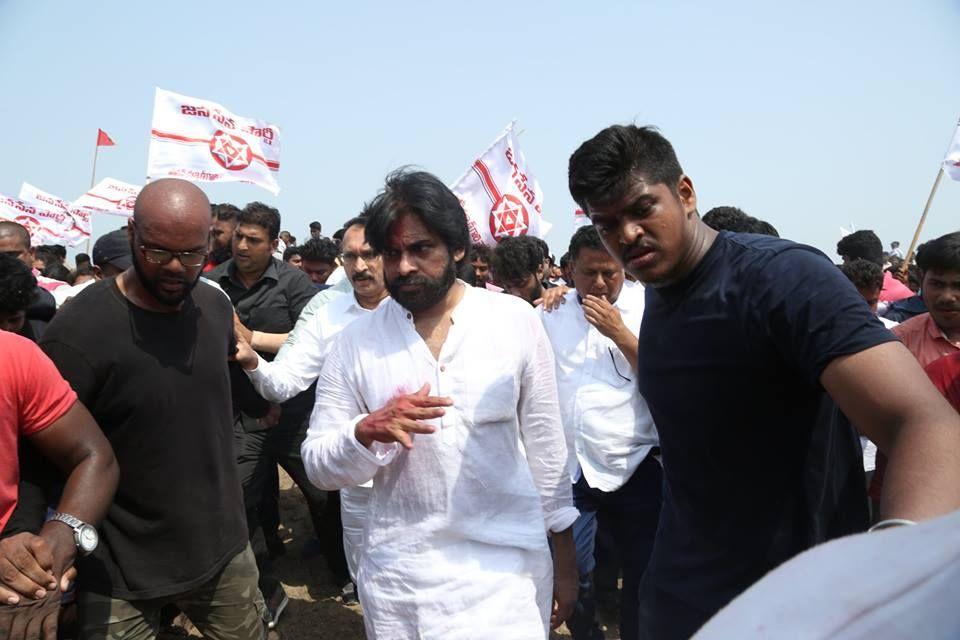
(431, 292)
(221, 254)
(154, 287)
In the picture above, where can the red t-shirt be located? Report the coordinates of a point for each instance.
(945, 375)
(33, 395)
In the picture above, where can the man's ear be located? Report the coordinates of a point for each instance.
(687, 194)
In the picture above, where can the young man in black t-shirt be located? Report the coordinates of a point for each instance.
(745, 341)
(147, 353)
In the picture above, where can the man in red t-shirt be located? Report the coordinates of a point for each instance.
(38, 404)
(945, 375)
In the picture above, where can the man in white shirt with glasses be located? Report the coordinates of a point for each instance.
(299, 363)
(611, 436)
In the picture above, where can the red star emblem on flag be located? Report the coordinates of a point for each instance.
(509, 217)
(230, 152)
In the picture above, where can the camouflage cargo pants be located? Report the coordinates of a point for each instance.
(228, 607)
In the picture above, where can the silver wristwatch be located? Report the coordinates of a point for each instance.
(85, 536)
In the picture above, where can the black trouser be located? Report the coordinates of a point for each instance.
(665, 617)
(631, 514)
(259, 452)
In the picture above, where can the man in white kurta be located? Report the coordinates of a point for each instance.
(456, 534)
(299, 362)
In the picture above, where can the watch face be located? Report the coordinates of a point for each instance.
(88, 538)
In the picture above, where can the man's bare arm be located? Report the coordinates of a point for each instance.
(887, 396)
(78, 447)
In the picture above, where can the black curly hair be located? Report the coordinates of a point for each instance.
(17, 285)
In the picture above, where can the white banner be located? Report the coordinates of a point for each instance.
(951, 162)
(201, 141)
(110, 196)
(500, 195)
(46, 226)
(80, 225)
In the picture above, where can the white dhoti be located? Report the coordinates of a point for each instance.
(456, 590)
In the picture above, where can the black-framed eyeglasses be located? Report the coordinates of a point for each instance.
(615, 367)
(367, 256)
(186, 258)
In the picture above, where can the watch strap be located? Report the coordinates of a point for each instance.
(71, 521)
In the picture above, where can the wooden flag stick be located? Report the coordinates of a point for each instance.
(923, 218)
(93, 181)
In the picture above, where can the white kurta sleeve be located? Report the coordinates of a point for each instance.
(280, 380)
(542, 432)
(332, 455)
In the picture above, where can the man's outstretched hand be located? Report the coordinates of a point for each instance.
(401, 417)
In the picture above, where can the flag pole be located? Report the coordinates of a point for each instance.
(923, 219)
(93, 181)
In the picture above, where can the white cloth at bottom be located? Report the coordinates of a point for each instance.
(464, 590)
(897, 583)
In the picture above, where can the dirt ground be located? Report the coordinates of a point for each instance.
(316, 611)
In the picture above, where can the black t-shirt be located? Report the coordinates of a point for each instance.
(159, 387)
(759, 463)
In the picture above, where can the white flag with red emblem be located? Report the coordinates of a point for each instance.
(109, 196)
(79, 228)
(201, 141)
(45, 225)
(951, 161)
(580, 219)
(499, 194)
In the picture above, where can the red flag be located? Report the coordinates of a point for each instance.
(103, 140)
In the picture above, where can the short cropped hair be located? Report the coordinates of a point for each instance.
(11, 228)
(515, 258)
(225, 211)
(763, 228)
(263, 216)
(290, 251)
(319, 250)
(17, 285)
(421, 194)
(738, 221)
(940, 254)
(861, 244)
(360, 221)
(585, 238)
(727, 219)
(863, 274)
(603, 168)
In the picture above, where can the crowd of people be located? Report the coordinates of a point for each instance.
(487, 439)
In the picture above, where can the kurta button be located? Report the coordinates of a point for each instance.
(442, 368)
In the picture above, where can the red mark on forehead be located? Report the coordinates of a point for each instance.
(406, 230)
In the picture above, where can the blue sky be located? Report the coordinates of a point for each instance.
(809, 115)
